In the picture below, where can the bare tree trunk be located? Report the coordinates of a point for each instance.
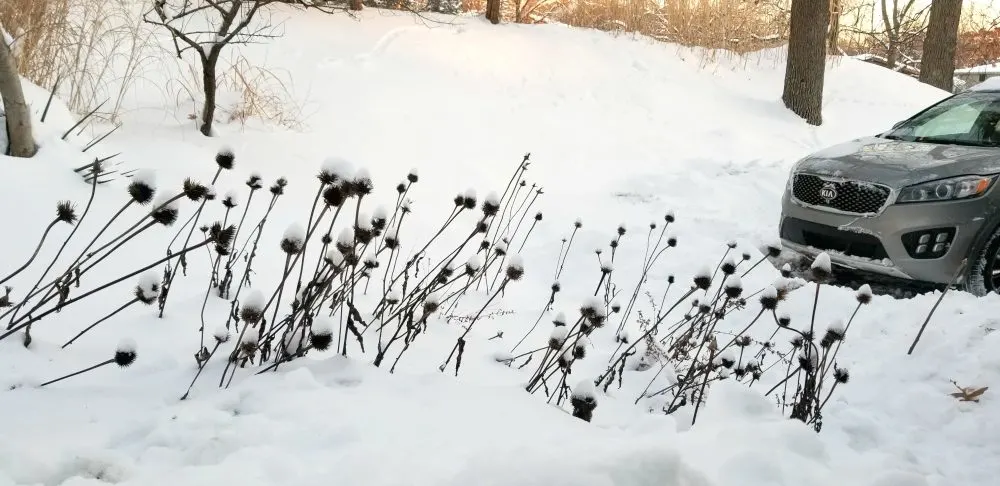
(834, 33)
(210, 85)
(806, 66)
(937, 65)
(892, 53)
(18, 115)
(493, 11)
(356, 5)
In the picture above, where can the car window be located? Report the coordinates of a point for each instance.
(956, 121)
(966, 119)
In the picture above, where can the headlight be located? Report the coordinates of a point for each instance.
(965, 187)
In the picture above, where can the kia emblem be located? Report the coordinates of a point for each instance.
(828, 192)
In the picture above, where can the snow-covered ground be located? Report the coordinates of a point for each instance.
(620, 131)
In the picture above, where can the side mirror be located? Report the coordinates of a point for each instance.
(898, 124)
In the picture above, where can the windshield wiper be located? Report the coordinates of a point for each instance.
(963, 143)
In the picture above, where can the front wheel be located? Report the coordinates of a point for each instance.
(983, 274)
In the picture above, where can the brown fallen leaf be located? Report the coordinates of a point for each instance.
(968, 393)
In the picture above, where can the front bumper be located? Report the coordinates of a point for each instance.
(882, 236)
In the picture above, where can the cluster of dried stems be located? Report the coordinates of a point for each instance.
(91, 51)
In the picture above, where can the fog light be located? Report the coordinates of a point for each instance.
(941, 238)
(938, 248)
(921, 249)
(924, 239)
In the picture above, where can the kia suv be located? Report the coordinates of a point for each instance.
(918, 202)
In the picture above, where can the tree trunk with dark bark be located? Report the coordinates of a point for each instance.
(806, 65)
(833, 35)
(937, 65)
(493, 11)
(210, 85)
(16, 111)
(357, 5)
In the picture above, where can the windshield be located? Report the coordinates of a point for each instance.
(971, 118)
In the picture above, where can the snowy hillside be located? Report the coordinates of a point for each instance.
(621, 131)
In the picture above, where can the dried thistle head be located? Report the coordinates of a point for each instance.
(142, 186)
(66, 212)
(334, 195)
(225, 158)
(194, 190)
(125, 353)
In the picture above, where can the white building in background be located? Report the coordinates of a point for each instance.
(974, 75)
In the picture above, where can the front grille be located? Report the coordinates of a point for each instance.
(829, 238)
(846, 196)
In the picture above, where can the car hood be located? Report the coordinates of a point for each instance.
(898, 164)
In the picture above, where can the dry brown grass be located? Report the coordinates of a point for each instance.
(94, 48)
(735, 25)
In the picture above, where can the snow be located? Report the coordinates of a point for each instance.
(990, 84)
(621, 131)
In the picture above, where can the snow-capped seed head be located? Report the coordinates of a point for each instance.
(334, 258)
(165, 210)
(255, 181)
(210, 192)
(469, 199)
(580, 347)
(822, 267)
(459, 200)
(231, 199)
(556, 287)
(558, 337)
(584, 390)
(786, 270)
(731, 244)
(148, 288)
(321, 333)
(703, 279)
(808, 359)
(727, 359)
(380, 218)
(413, 176)
(194, 190)
(401, 187)
(621, 229)
(785, 319)
(671, 240)
(623, 336)
(491, 205)
(670, 218)
(746, 256)
(335, 170)
(431, 303)
(607, 266)
(249, 341)
(393, 297)
(474, 264)
(616, 306)
(515, 268)
(345, 240)
(728, 265)
(125, 352)
(293, 239)
(221, 334)
(841, 375)
(538, 216)
(500, 248)
(560, 320)
(142, 186)
(594, 311)
(391, 239)
(334, 195)
(733, 286)
(362, 184)
(225, 158)
(864, 294)
(578, 223)
(773, 248)
(252, 307)
(278, 188)
(769, 298)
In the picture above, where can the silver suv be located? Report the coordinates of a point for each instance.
(917, 202)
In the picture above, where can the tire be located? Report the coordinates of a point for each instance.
(984, 260)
